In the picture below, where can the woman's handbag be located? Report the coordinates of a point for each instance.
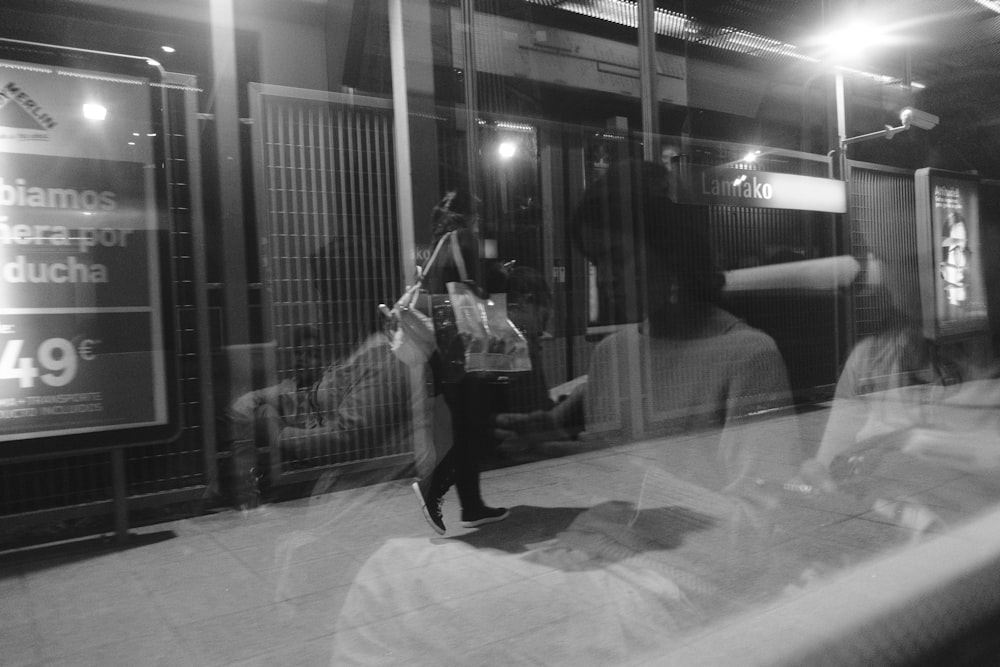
(413, 339)
(412, 332)
(470, 331)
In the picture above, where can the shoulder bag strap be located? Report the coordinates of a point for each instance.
(456, 253)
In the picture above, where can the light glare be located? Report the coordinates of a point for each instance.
(853, 39)
(507, 149)
(990, 4)
(95, 111)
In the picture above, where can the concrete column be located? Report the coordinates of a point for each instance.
(647, 81)
(225, 110)
(415, 124)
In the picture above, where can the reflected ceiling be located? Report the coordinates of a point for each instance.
(949, 48)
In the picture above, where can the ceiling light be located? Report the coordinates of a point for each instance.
(95, 111)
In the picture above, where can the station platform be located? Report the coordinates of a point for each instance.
(607, 558)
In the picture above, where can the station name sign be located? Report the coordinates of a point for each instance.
(763, 189)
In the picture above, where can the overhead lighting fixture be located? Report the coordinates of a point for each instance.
(507, 149)
(850, 41)
(519, 127)
(168, 49)
(93, 111)
(680, 26)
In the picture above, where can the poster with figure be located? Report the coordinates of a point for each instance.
(81, 312)
(952, 287)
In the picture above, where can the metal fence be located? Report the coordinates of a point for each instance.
(882, 219)
(325, 186)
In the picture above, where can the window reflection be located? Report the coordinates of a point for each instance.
(733, 398)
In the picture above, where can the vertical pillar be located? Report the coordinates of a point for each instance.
(120, 494)
(224, 109)
(841, 109)
(415, 134)
(230, 192)
(647, 81)
(401, 127)
(471, 94)
(415, 125)
(633, 416)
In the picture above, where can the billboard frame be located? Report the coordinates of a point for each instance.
(938, 193)
(103, 438)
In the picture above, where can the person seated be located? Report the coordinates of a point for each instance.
(357, 407)
(292, 400)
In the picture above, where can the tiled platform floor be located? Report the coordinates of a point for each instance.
(268, 587)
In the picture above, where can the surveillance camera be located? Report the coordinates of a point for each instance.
(917, 118)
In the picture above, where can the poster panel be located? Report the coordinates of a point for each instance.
(952, 286)
(81, 313)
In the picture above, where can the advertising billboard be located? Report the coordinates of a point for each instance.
(952, 287)
(81, 272)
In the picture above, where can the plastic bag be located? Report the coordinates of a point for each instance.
(471, 332)
(492, 347)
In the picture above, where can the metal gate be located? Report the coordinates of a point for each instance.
(329, 236)
(882, 221)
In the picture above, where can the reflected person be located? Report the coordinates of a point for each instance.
(902, 392)
(703, 369)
